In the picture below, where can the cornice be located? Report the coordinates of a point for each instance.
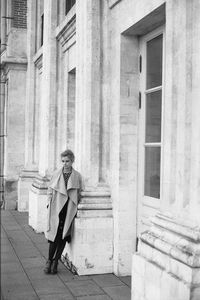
(65, 32)
(38, 59)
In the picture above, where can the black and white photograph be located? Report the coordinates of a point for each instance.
(100, 149)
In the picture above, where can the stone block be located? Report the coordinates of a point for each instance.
(91, 250)
(37, 210)
(138, 284)
(153, 274)
(24, 185)
(138, 264)
(82, 288)
(118, 292)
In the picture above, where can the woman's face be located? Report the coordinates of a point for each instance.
(67, 163)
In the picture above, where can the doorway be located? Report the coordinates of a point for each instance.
(151, 93)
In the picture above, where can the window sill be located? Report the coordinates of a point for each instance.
(69, 18)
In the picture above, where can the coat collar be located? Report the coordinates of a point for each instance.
(57, 181)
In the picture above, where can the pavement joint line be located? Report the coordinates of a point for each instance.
(42, 256)
(22, 264)
(62, 279)
(104, 292)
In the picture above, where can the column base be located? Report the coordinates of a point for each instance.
(24, 185)
(37, 204)
(167, 265)
(91, 249)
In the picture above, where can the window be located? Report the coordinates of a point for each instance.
(68, 5)
(42, 30)
(153, 95)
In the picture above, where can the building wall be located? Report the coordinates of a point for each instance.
(13, 65)
(83, 86)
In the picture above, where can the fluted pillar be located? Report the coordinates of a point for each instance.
(88, 91)
(30, 169)
(47, 126)
(194, 204)
(93, 230)
(48, 91)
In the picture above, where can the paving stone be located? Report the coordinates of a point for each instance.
(118, 292)
(126, 280)
(12, 267)
(65, 274)
(11, 226)
(83, 288)
(104, 280)
(7, 248)
(13, 279)
(20, 238)
(27, 251)
(9, 257)
(38, 237)
(97, 297)
(57, 297)
(36, 273)
(32, 262)
(20, 296)
(82, 277)
(51, 285)
(18, 291)
(24, 278)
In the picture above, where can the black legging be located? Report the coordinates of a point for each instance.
(56, 248)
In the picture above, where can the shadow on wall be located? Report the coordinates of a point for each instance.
(10, 194)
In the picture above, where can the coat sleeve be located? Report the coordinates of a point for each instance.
(81, 183)
(49, 196)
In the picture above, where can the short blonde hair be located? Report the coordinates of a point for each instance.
(68, 153)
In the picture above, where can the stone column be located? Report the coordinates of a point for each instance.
(47, 134)
(48, 91)
(194, 204)
(88, 90)
(167, 264)
(31, 165)
(93, 232)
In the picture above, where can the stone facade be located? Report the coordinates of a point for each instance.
(86, 89)
(13, 99)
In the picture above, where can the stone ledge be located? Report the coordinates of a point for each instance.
(28, 174)
(16, 63)
(40, 183)
(161, 236)
(185, 273)
(185, 228)
(67, 29)
(38, 58)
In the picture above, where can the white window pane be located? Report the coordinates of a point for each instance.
(152, 172)
(153, 117)
(154, 62)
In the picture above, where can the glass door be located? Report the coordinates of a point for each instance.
(150, 123)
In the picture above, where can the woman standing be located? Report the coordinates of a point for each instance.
(63, 197)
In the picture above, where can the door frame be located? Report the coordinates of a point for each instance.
(153, 204)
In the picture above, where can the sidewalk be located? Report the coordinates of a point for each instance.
(23, 256)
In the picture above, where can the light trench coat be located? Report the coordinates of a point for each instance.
(57, 197)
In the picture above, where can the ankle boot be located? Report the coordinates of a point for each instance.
(47, 269)
(54, 267)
